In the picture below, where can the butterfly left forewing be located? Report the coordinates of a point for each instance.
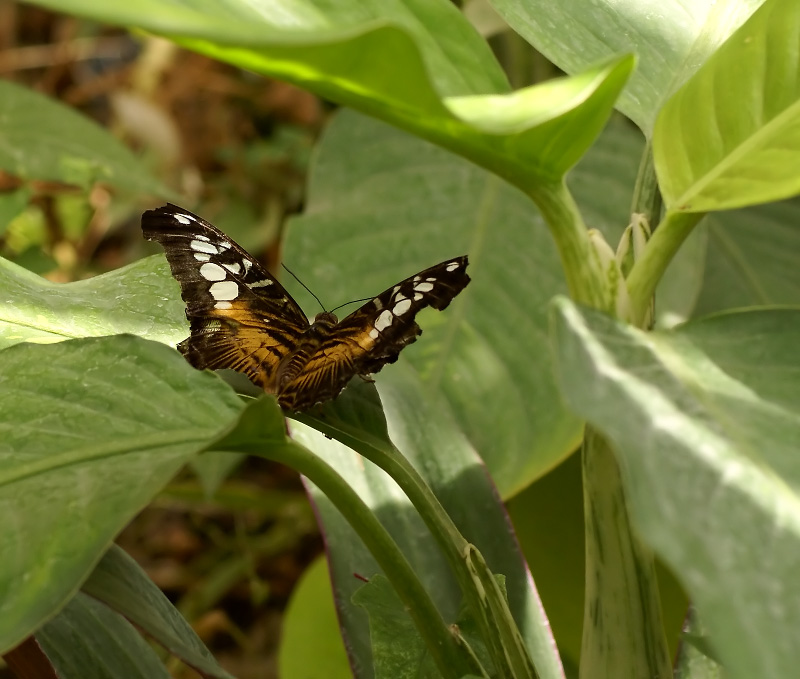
(241, 318)
(373, 335)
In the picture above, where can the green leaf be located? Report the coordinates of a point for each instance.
(669, 43)
(91, 430)
(427, 72)
(384, 205)
(310, 622)
(89, 640)
(753, 258)
(705, 423)
(141, 299)
(43, 139)
(730, 136)
(123, 586)
(438, 450)
(396, 647)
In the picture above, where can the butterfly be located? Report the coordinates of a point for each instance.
(241, 318)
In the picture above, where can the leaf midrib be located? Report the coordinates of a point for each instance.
(84, 454)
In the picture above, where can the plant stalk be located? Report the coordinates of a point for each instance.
(579, 260)
(500, 633)
(451, 660)
(623, 634)
(648, 270)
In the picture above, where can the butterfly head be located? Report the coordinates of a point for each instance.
(325, 319)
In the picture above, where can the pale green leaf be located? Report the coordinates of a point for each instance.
(705, 421)
(310, 622)
(730, 136)
(427, 71)
(670, 39)
(140, 299)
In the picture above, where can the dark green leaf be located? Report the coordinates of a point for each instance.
(123, 586)
(87, 640)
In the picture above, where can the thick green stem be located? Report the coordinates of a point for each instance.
(650, 267)
(623, 634)
(582, 269)
(501, 635)
(451, 660)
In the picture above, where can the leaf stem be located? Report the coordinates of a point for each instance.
(623, 635)
(500, 633)
(251, 435)
(582, 270)
(648, 270)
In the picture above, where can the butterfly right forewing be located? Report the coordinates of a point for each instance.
(241, 318)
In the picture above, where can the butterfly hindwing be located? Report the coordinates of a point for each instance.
(241, 318)
(373, 335)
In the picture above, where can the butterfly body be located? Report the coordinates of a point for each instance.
(242, 319)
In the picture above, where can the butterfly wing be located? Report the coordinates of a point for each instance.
(372, 336)
(241, 318)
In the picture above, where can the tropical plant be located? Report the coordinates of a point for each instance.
(687, 409)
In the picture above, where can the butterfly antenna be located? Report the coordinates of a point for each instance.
(353, 302)
(304, 285)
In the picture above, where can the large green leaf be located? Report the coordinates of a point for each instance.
(753, 257)
(705, 421)
(385, 205)
(731, 135)
(90, 430)
(419, 65)
(423, 432)
(41, 138)
(140, 299)
(670, 39)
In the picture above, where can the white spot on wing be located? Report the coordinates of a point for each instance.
(452, 266)
(212, 272)
(401, 307)
(399, 296)
(417, 296)
(423, 287)
(374, 333)
(384, 320)
(224, 291)
(223, 305)
(416, 279)
(183, 219)
(224, 245)
(431, 280)
(261, 284)
(247, 264)
(201, 256)
(234, 268)
(200, 236)
(378, 304)
(203, 246)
